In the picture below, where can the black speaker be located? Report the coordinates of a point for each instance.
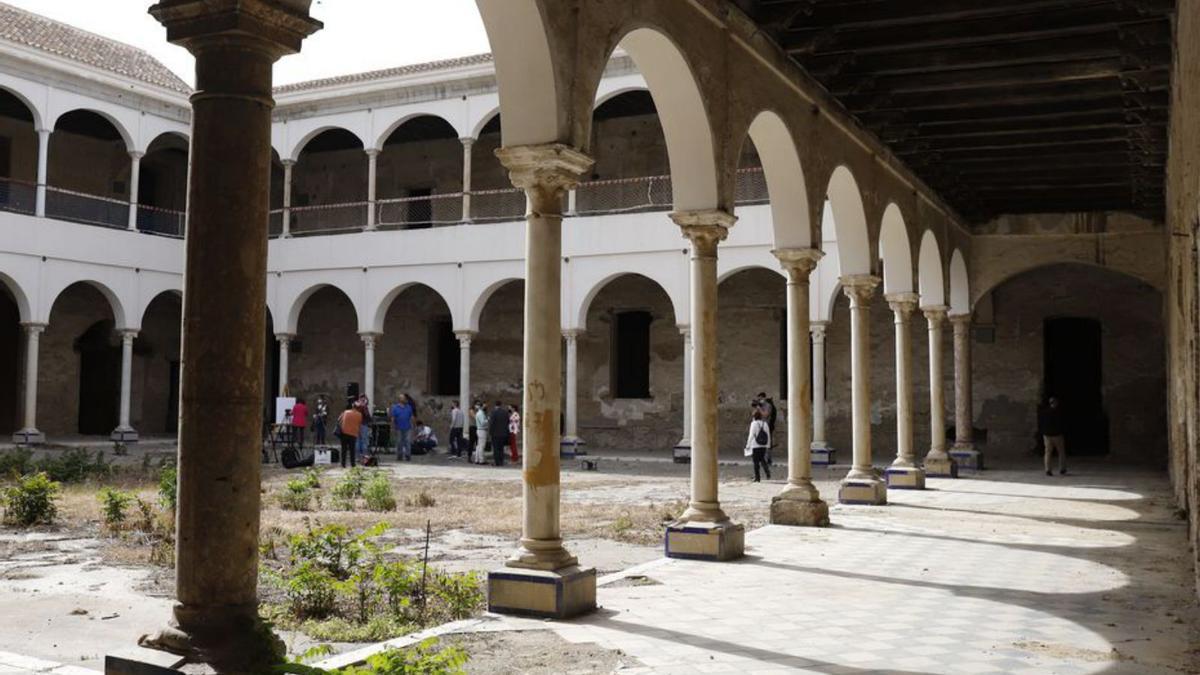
(352, 390)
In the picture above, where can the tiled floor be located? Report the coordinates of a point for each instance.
(1013, 573)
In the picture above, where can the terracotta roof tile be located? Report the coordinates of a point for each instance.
(475, 60)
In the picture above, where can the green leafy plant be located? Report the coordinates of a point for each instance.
(351, 485)
(168, 487)
(296, 495)
(31, 501)
(378, 493)
(74, 466)
(16, 463)
(312, 476)
(425, 658)
(421, 500)
(113, 503)
(311, 591)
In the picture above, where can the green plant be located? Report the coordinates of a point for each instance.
(424, 658)
(146, 519)
(378, 493)
(459, 595)
(32, 500)
(351, 485)
(113, 503)
(421, 500)
(74, 466)
(16, 463)
(312, 476)
(311, 591)
(296, 495)
(168, 487)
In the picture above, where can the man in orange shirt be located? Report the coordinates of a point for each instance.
(349, 426)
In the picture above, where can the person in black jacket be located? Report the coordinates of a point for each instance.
(498, 429)
(1050, 426)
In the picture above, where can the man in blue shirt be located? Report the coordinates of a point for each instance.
(401, 414)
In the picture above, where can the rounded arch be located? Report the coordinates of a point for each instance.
(895, 252)
(586, 304)
(604, 96)
(960, 284)
(785, 180)
(176, 292)
(734, 271)
(931, 282)
(26, 100)
(849, 222)
(292, 324)
(298, 148)
(381, 310)
(395, 125)
(115, 305)
(19, 295)
(482, 300)
(681, 110)
(484, 121)
(122, 132)
(1037, 266)
(524, 70)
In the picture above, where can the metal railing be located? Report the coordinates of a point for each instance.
(167, 222)
(623, 195)
(327, 218)
(18, 195)
(419, 212)
(494, 206)
(82, 207)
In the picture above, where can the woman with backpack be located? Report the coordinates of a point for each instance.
(757, 443)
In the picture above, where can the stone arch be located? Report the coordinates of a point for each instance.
(524, 71)
(123, 132)
(931, 281)
(19, 295)
(293, 316)
(396, 124)
(733, 271)
(482, 300)
(381, 310)
(785, 180)
(960, 284)
(34, 111)
(115, 304)
(294, 152)
(849, 222)
(485, 120)
(690, 146)
(607, 95)
(178, 292)
(895, 252)
(679, 308)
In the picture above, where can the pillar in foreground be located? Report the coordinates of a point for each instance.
(135, 172)
(236, 43)
(29, 434)
(464, 382)
(682, 452)
(964, 452)
(125, 433)
(541, 578)
(370, 342)
(704, 531)
(823, 454)
(861, 485)
(904, 472)
(285, 350)
(799, 503)
(570, 437)
(938, 462)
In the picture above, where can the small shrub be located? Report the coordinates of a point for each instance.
(16, 463)
(311, 591)
(351, 485)
(425, 658)
(421, 500)
(460, 595)
(146, 515)
(622, 524)
(312, 476)
(168, 487)
(113, 503)
(378, 493)
(75, 466)
(296, 495)
(31, 501)
(341, 504)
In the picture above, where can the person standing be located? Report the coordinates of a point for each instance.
(319, 418)
(364, 434)
(514, 428)
(769, 415)
(456, 429)
(401, 415)
(349, 425)
(757, 443)
(299, 421)
(1050, 426)
(498, 426)
(481, 431)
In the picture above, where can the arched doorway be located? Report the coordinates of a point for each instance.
(88, 171)
(18, 155)
(99, 379)
(751, 345)
(419, 355)
(419, 176)
(79, 365)
(327, 352)
(497, 352)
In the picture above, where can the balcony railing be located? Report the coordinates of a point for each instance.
(82, 207)
(327, 218)
(623, 195)
(494, 206)
(419, 211)
(167, 222)
(17, 195)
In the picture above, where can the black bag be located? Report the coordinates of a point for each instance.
(761, 437)
(291, 459)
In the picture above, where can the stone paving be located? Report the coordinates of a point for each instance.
(1013, 573)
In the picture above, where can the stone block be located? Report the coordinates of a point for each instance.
(682, 454)
(28, 437)
(799, 512)
(867, 491)
(967, 458)
(824, 456)
(142, 661)
(559, 594)
(705, 541)
(905, 478)
(941, 467)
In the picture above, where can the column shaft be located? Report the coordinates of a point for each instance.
(287, 198)
(43, 162)
(684, 446)
(285, 348)
(124, 430)
(369, 342)
(937, 461)
(964, 452)
(904, 473)
(372, 166)
(135, 172)
(464, 379)
(818, 383)
(467, 143)
(29, 432)
(861, 485)
(571, 432)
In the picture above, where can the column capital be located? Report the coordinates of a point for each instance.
(136, 154)
(465, 336)
(467, 141)
(287, 163)
(903, 304)
(934, 313)
(705, 229)
(684, 330)
(859, 287)
(963, 320)
(572, 334)
(551, 167)
(33, 327)
(277, 25)
(372, 152)
(370, 339)
(799, 262)
(285, 337)
(128, 334)
(817, 330)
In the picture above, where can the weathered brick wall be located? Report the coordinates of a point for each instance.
(75, 310)
(154, 350)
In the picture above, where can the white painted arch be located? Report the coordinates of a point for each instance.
(383, 304)
(108, 116)
(392, 124)
(849, 222)
(649, 267)
(296, 303)
(524, 71)
(896, 252)
(115, 302)
(24, 311)
(931, 280)
(785, 180)
(27, 93)
(960, 285)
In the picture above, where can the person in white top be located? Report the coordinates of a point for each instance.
(456, 430)
(757, 443)
(481, 428)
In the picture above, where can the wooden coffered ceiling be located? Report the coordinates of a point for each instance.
(1003, 106)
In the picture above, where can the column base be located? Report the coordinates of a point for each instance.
(865, 490)
(941, 467)
(29, 437)
(823, 455)
(124, 435)
(228, 639)
(967, 456)
(799, 508)
(698, 540)
(682, 452)
(547, 594)
(571, 446)
(905, 478)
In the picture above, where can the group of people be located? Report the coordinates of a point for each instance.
(498, 429)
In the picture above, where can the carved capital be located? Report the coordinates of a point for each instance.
(32, 328)
(572, 334)
(545, 172)
(705, 229)
(277, 26)
(798, 262)
(464, 337)
(285, 338)
(817, 329)
(903, 305)
(935, 314)
(860, 288)
(371, 340)
(960, 321)
(128, 335)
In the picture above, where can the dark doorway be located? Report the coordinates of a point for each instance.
(11, 350)
(443, 378)
(420, 209)
(172, 425)
(99, 379)
(1071, 363)
(631, 357)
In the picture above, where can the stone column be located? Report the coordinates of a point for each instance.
(285, 348)
(964, 452)
(43, 162)
(904, 472)
(571, 432)
(683, 449)
(822, 453)
(937, 462)
(135, 172)
(799, 503)
(467, 143)
(861, 485)
(541, 577)
(125, 432)
(704, 531)
(287, 198)
(235, 43)
(29, 434)
(372, 166)
(464, 380)
(370, 341)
